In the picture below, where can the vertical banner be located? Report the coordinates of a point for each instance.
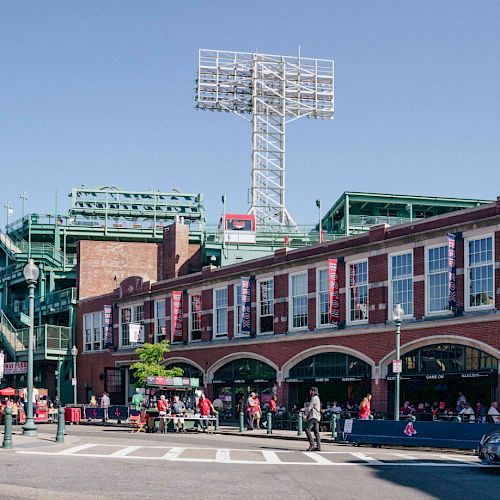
(176, 318)
(246, 306)
(452, 272)
(135, 333)
(2, 359)
(333, 290)
(108, 326)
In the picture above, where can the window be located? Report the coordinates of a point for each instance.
(93, 324)
(479, 273)
(195, 317)
(437, 280)
(357, 285)
(220, 320)
(322, 298)
(401, 282)
(265, 308)
(160, 320)
(298, 300)
(131, 315)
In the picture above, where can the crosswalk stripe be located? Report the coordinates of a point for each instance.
(271, 457)
(75, 449)
(223, 456)
(317, 458)
(173, 454)
(406, 457)
(366, 458)
(124, 451)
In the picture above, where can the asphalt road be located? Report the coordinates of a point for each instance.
(110, 463)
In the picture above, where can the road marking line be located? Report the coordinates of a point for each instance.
(173, 454)
(317, 458)
(75, 449)
(271, 457)
(366, 458)
(222, 456)
(406, 457)
(125, 451)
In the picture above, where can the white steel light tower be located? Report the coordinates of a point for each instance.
(274, 90)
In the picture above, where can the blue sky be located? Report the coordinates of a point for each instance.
(101, 93)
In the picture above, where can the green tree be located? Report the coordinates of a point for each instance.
(151, 356)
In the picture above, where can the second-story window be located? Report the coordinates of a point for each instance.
(195, 317)
(401, 282)
(131, 315)
(479, 273)
(437, 278)
(93, 324)
(357, 284)
(160, 320)
(298, 300)
(220, 312)
(265, 308)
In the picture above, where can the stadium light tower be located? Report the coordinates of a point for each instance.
(274, 91)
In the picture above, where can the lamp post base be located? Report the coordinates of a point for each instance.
(29, 428)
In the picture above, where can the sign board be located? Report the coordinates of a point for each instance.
(25, 319)
(2, 358)
(73, 381)
(348, 426)
(15, 368)
(397, 366)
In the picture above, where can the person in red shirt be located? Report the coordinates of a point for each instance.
(272, 404)
(206, 408)
(364, 407)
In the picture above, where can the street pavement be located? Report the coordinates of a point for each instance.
(103, 462)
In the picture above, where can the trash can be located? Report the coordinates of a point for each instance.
(72, 415)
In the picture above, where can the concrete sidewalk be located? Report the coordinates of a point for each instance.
(21, 442)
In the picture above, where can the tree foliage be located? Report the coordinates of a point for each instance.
(151, 356)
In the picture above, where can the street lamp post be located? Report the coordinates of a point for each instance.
(31, 273)
(8, 207)
(74, 353)
(24, 198)
(318, 204)
(397, 316)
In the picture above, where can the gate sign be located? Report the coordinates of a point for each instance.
(397, 366)
(15, 368)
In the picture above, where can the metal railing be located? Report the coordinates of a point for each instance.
(47, 338)
(9, 335)
(54, 302)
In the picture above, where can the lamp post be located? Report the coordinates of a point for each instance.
(318, 204)
(24, 198)
(31, 273)
(8, 207)
(397, 316)
(74, 353)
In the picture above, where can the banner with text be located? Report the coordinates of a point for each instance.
(246, 306)
(176, 315)
(108, 326)
(452, 272)
(136, 333)
(333, 290)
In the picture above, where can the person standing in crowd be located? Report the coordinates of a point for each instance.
(460, 402)
(218, 404)
(313, 417)
(105, 404)
(273, 405)
(249, 410)
(493, 412)
(137, 399)
(364, 407)
(256, 411)
(178, 410)
(206, 408)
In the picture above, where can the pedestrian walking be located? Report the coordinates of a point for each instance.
(313, 418)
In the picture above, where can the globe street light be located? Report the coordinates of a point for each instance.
(31, 273)
(397, 316)
(74, 353)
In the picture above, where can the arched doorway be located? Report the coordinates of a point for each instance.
(339, 376)
(439, 372)
(234, 381)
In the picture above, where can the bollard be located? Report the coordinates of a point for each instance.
(7, 433)
(60, 426)
(216, 420)
(269, 422)
(333, 426)
(299, 423)
(242, 421)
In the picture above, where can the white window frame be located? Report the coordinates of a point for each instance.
(348, 292)
(318, 305)
(391, 305)
(428, 312)
(190, 315)
(259, 304)
(467, 306)
(290, 302)
(95, 345)
(158, 319)
(216, 310)
(133, 320)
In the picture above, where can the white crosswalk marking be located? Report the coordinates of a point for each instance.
(271, 457)
(406, 457)
(366, 458)
(124, 451)
(223, 456)
(173, 454)
(318, 458)
(75, 449)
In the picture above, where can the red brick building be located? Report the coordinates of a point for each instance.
(292, 344)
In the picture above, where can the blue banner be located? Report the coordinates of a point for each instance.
(118, 412)
(246, 306)
(94, 413)
(452, 272)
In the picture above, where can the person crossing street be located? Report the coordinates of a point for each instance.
(313, 418)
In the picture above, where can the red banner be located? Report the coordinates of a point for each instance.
(177, 315)
(333, 290)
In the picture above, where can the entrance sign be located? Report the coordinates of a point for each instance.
(397, 366)
(15, 368)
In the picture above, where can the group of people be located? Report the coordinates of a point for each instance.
(15, 406)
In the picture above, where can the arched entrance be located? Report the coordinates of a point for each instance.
(234, 381)
(339, 376)
(438, 372)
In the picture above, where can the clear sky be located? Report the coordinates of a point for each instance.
(102, 93)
